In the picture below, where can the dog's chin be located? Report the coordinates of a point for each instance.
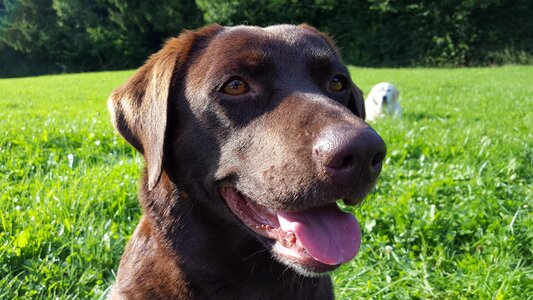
(312, 242)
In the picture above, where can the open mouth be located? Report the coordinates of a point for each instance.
(318, 239)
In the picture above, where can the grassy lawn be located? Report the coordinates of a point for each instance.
(451, 217)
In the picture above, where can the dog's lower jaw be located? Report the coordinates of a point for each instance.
(299, 268)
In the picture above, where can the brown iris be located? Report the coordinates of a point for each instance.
(336, 84)
(235, 87)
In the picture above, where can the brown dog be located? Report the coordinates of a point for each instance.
(250, 136)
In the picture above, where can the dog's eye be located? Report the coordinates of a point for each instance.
(337, 84)
(235, 87)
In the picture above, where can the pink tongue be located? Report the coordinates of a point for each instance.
(329, 235)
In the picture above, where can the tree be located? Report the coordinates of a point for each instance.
(29, 26)
(77, 35)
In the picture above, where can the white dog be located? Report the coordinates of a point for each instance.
(383, 100)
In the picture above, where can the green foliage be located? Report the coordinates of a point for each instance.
(450, 218)
(139, 28)
(401, 33)
(74, 35)
(29, 26)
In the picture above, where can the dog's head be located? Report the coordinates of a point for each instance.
(383, 94)
(262, 126)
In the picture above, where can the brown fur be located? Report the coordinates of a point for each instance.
(188, 244)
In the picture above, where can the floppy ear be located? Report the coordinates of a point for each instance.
(396, 93)
(357, 102)
(139, 107)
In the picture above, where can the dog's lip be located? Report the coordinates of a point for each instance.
(284, 238)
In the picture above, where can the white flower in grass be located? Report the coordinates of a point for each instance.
(97, 143)
(51, 161)
(70, 160)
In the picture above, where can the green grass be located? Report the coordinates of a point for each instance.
(451, 217)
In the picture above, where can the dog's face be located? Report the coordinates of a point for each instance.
(383, 94)
(262, 126)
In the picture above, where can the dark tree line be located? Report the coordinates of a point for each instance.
(43, 36)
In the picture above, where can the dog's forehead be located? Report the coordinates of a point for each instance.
(383, 86)
(273, 41)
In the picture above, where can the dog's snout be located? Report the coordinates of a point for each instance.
(384, 99)
(350, 154)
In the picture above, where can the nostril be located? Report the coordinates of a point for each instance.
(376, 161)
(334, 159)
(349, 154)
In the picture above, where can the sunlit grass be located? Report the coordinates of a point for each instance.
(450, 218)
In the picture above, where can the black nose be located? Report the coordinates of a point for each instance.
(350, 154)
(384, 99)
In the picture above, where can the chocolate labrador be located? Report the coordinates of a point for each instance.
(250, 137)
